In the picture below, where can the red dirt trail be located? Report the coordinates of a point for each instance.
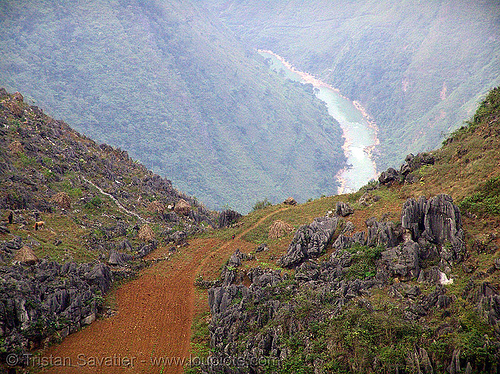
(153, 323)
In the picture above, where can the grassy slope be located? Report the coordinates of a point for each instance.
(167, 82)
(421, 65)
(41, 157)
(467, 160)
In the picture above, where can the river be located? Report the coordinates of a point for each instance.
(359, 130)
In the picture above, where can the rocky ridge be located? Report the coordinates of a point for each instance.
(264, 324)
(99, 212)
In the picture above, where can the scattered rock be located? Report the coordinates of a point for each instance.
(368, 199)
(290, 201)
(261, 248)
(309, 241)
(343, 209)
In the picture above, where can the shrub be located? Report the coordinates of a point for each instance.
(486, 199)
(261, 204)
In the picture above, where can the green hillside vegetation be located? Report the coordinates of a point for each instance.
(372, 333)
(418, 68)
(92, 198)
(169, 83)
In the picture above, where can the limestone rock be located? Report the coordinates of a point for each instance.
(309, 241)
(228, 217)
(343, 209)
(389, 176)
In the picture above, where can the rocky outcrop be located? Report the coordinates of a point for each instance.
(407, 171)
(402, 261)
(258, 321)
(343, 209)
(436, 221)
(47, 298)
(290, 201)
(119, 258)
(228, 218)
(310, 241)
(389, 176)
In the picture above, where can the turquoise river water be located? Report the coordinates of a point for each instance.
(359, 132)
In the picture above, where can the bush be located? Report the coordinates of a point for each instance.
(261, 204)
(485, 201)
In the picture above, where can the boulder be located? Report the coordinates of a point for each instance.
(389, 176)
(402, 261)
(118, 258)
(309, 241)
(343, 209)
(290, 201)
(228, 217)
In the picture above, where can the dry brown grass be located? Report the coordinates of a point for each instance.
(280, 228)
(62, 200)
(182, 207)
(156, 207)
(146, 233)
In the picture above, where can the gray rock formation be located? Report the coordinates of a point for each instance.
(343, 209)
(309, 241)
(228, 217)
(436, 221)
(48, 298)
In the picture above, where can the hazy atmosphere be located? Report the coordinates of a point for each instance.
(249, 187)
(180, 85)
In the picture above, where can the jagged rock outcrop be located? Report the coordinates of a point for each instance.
(389, 176)
(387, 255)
(228, 217)
(436, 221)
(119, 258)
(402, 261)
(309, 241)
(343, 209)
(407, 171)
(38, 301)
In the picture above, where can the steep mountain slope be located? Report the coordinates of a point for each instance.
(404, 281)
(75, 217)
(419, 69)
(166, 81)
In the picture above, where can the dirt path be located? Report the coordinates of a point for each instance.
(152, 330)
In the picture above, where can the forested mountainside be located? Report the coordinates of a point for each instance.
(402, 276)
(418, 68)
(75, 216)
(170, 84)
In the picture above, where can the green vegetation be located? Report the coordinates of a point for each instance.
(485, 201)
(261, 204)
(418, 69)
(166, 81)
(363, 261)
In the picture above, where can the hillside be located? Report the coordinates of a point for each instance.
(382, 280)
(404, 278)
(419, 69)
(169, 83)
(99, 214)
